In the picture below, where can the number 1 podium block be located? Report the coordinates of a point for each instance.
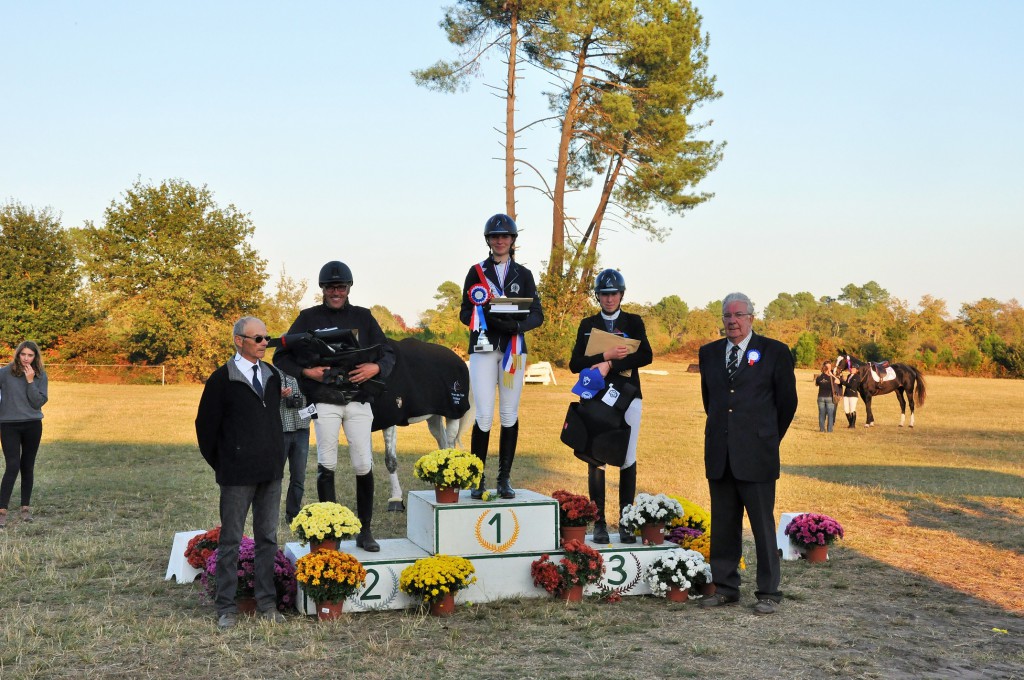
(527, 523)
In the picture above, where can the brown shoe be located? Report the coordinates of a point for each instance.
(717, 600)
(766, 606)
(26, 514)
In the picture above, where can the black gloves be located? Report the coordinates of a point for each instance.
(501, 323)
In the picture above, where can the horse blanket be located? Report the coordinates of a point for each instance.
(427, 379)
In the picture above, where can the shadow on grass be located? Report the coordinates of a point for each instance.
(956, 508)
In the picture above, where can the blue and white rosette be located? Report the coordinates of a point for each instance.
(478, 295)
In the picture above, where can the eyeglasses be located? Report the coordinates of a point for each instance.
(339, 287)
(256, 338)
(737, 315)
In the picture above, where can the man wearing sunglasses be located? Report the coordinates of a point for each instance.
(238, 425)
(749, 392)
(336, 408)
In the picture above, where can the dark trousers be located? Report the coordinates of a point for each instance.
(296, 448)
(20, 442)
(729, 498)
(265, 500)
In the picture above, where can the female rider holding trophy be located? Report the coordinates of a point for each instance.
(497, 346)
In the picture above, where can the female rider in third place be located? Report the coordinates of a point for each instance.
(497, 348)
(609, 287)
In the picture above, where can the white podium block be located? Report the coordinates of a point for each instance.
(382, 572)
(177, 566)
(624, 566)
(787, 549)
(524, 524)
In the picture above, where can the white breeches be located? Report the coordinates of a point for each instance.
(356, 419)
(484, 374)
(849, 405)
(632, 417)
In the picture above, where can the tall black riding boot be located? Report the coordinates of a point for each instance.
(506, 453)
(595, 485)
(364, 509)
(849, 420)
(325, 485)
(627, 493)
(853, 420)
(478, 447)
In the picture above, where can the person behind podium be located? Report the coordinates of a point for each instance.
(336, 407)
(238, 425)
(497, 345)
(609, 288)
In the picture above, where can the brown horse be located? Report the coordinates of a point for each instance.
(908, 384)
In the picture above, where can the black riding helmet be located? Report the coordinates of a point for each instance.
(609, 281)
(335, 272)
(500, 224)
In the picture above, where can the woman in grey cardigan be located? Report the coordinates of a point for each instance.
(22, 395)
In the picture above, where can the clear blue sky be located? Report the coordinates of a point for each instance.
(878, 141)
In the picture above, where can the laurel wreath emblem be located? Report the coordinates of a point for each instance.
(383, 604)
(626, 587)
(494, 547)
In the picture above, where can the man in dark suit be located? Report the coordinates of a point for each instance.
(238, 425)
(749, 392)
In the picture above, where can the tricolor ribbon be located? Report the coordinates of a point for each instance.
(514, 359)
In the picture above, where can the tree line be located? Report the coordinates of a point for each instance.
(168, 269)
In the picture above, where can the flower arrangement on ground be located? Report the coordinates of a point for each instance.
(329, 575)
(574, 510)
(650, 509)
(317, 521)
(431, 578)
(694, 516)
(813, 529)
(580, 566)
(451, 468)
(680, 568)
(201, 546)
(284, 575)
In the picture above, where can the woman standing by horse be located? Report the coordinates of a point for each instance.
(497, 346)
(827, 387)
(22, 395)
(851, 383)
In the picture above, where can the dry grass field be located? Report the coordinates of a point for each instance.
(929, 582)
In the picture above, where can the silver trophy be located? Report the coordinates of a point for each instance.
(483, 343)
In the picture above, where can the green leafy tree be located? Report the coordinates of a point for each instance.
(671, 311)
(866, 296)
(39, 281)
(279, 309)
(167, 266)
(443, 322)
(805, 353)
(389, 323)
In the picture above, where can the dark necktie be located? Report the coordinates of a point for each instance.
(734, 360)
(256, 380)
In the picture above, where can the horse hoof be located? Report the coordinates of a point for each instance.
(396, 505)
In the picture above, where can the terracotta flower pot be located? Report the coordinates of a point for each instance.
(328, 611)
(443, 607)
(573, 534)
(652, 533)
(677, 594)
(572, 593)
(816, 553)
(325, 544)
(707, 589)
(446, 494)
